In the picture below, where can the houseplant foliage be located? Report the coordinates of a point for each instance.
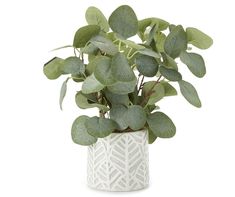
(124, 79)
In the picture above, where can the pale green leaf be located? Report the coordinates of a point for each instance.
(168, 89)
(73, 65)
(63, 91)
(170, 74)
(52, 69)
(132, 44)
(91, 84)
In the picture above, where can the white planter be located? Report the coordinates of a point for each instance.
(119, 162)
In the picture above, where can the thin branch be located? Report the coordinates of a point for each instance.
(141, 85)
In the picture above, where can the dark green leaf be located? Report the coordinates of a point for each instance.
(90, 49)
(73, 65)
(95, 17)
(124, 21)
(189, 93)
(161, 125)
(170, 74)
(84, 34)
(194, 62)
(121, 70)
(198, 38)
(146, 65)
(175, 42)
(52, 69)
(118, 114)
(151, 135)
(117, 99)
(100, 127)
(169, 62)
(79, 132)
(104, 44)
(149, 52)
(91, 84)
(103, 71)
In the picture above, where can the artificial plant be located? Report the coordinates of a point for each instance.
(124, 79)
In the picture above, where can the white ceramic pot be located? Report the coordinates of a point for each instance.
(119, 162)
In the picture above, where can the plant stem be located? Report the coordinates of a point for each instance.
(141, 85)
(129, 57)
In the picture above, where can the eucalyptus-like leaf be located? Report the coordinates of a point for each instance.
(198, 38)
(168, 89)
(132, 44)
(143, 24)
(63, 91)
(82, 102)
(170, 74)
(91, 84)
(169, 61)
(73, 65)
(175, 42)
(154, 92)
(135, 117)
(161, 125)
(194, 62)
(53, 68)
(118, 114)
(121, 69)
(146, 65)
(122, 88)
(90, 49)
(124, 22)
(116, 99)
(95, 17)
(189, 93)
(149, 52)
(151, 136)
(84, 34)
(79, 132)
(160, 41)
(103, 71)
(100, 127)
(104, 44)
(151, 35)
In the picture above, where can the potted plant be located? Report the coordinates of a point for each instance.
(125, 80)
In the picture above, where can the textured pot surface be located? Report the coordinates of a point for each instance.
(119, 162)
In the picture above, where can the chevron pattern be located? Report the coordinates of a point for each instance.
(119, 162)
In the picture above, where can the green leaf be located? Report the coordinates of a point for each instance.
(157, 93)
(175, 42)
(149, 52)
(124, 22)
(151, 35)
(84, 34)
(170, 74)
(117, 99)
(79, 132)
(104, 44)
(194, 62)
(73, 65)
(151, 135)
(160, 40)
(82, 102)
(122, 88)
(95, 17)
(118, 114)
(90, 49)
(63, 91)
(189, 93)
(120, 68)
(146, 65)
(132, 44)
(91, 84)
(103, 71)
(100, 127)
(198, 38)
(161, 125)
(52, 69)
(135, 117)
(143, 24)
(168, 89)
(169, 62)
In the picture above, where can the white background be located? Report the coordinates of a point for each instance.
(37, 156)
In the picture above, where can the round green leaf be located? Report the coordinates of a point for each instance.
(52, 69)
(194, 62)
(161, 125)
(189, 93)
(91, 84)
(175, 42)
(120, 68)
(198, 38)
(117, 99)
(151, 135)
(84, 34)
(122, 88)
(146, 65)
(79, 132)
(95, 17)
(100, 127)
(117, 113)
(170, 74)
(124, 21)
(73, 65)
(103, 71)
(82, 102)
(135, 117)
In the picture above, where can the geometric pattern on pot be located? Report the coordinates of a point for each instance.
(119, 162)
